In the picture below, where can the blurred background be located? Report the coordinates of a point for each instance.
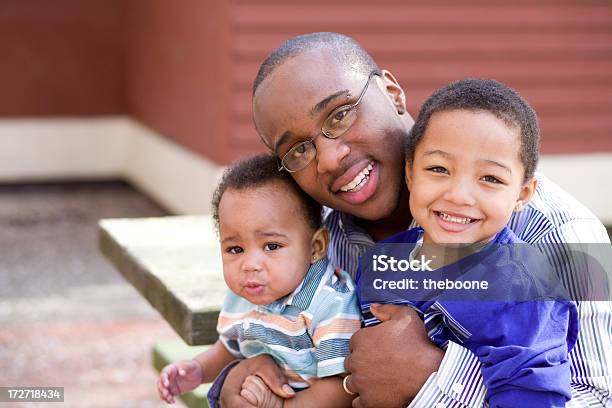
(131, 108)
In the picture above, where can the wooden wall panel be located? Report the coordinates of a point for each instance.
(557, 54)
(63, 57)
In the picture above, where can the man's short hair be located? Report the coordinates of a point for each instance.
(347, 52)
(258, 171)
(483, 95)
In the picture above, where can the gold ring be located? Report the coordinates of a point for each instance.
(349, 392)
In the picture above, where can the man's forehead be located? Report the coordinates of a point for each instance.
(311, 74)
(295, 88)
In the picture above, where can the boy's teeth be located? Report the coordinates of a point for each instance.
(358, 181)
(457, 220)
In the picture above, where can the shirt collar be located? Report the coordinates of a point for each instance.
(355, 233)
(303, 294)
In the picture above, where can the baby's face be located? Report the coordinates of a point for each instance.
(265, 242)
(466, 177)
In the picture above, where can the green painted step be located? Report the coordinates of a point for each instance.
(166, 352)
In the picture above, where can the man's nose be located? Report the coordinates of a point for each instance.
(460, 192)
(330, 153)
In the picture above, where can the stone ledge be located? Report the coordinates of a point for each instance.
(175, 263)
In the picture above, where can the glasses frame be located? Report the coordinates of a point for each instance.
(349, 107)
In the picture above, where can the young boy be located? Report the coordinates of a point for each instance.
(471, 157)
(286, 300)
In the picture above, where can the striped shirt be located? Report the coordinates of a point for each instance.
(551, 217)
(307, 332)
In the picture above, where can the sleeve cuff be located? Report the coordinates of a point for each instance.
(214, 393)
(458, 379)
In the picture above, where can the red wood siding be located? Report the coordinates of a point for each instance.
(185, 68)
(557, 53)
(61, 57)
(178, 67)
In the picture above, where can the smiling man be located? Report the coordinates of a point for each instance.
(339, 124)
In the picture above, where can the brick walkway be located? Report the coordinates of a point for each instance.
(99, 365)
(67, 318)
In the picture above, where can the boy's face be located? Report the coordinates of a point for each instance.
(265, 242)
(466, 177)
(288, 108)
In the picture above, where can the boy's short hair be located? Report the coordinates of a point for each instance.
(488, 96)
(257, 171)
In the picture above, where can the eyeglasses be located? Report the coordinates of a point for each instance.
(337, 123)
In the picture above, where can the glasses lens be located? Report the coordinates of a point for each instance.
(299, 156)
(339, 121)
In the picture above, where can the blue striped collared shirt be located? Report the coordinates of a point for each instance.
(552, 216)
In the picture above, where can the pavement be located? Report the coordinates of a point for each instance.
(67, 317)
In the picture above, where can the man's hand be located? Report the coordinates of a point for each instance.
(389, 363)
(264, 367)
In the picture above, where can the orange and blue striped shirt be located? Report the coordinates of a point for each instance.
(307, 333)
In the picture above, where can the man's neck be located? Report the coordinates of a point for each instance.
(398, 221)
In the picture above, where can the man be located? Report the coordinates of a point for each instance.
(339, 124)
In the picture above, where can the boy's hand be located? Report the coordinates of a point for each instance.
(178, 378)
(256, 392)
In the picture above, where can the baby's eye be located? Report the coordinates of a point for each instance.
(492, 179)
(235, 250)
(271, 247)
(438, 169)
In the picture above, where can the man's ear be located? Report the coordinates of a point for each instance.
(319, 243)
(394, 91)
(527, 191)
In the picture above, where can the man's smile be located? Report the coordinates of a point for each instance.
(359, 181)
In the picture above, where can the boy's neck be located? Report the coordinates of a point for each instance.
(445, 254)
(398, 221)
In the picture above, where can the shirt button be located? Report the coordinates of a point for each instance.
(440, 405)
(246, 325)
(457, 388)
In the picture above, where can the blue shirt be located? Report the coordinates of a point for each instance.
(522, 345)
(551, 217)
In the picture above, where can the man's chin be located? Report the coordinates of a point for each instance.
(374, 209)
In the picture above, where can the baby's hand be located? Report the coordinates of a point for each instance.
(257, 393)
(178, 378)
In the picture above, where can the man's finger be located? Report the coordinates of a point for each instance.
(388, 312)
(347, 363)
(350, 384)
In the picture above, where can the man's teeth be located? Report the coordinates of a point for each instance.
(457, 220)
(359, 180)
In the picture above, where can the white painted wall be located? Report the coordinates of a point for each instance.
(120, 147)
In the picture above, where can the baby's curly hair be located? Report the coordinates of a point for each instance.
(260, 170)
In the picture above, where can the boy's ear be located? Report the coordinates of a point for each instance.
(319, 243)
(527, 192)
(394, 90)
